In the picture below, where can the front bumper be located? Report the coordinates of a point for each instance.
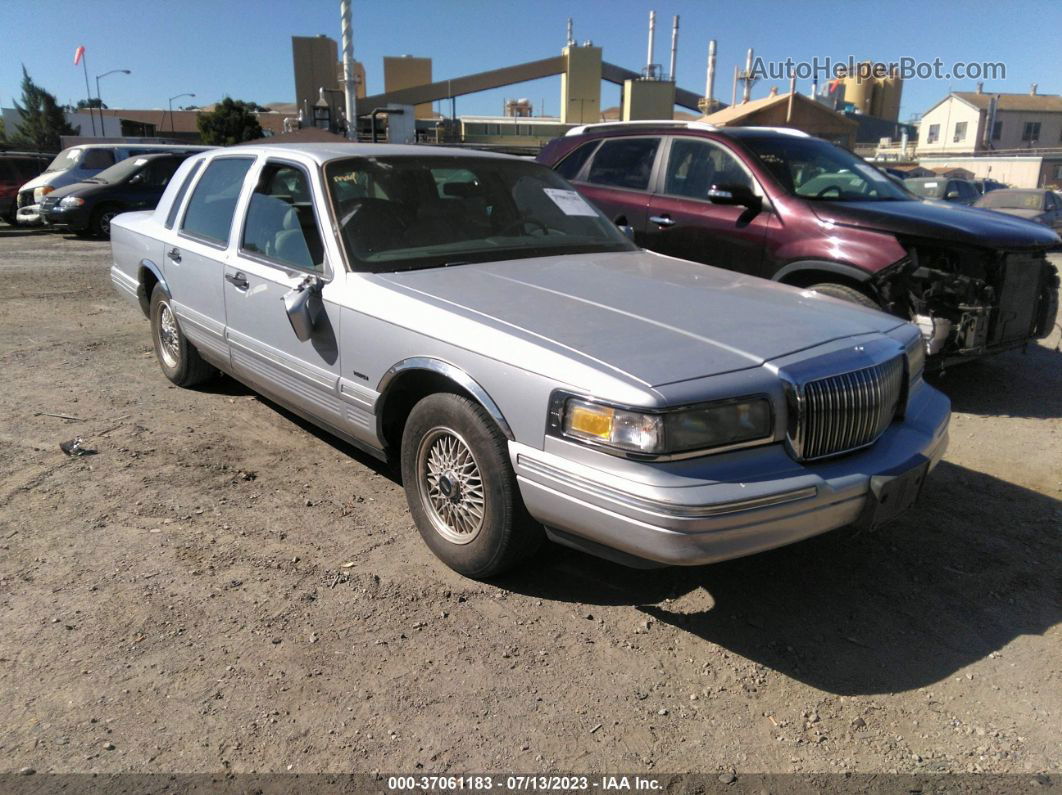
(64, 218)
(30, 215)
(695, 513)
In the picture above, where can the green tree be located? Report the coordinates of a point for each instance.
(231, 122)
(42, 118)
(94, 102)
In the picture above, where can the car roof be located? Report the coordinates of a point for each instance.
(322, 153)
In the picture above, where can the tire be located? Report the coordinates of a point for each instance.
(100, 225)
(452, 453)
(178, 358)
(846, 293)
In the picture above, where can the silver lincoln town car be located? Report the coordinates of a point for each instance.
(471, 318)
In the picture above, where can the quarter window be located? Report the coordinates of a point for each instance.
(695, 166)
(570, 166)
(176, 206)
(281, 224)
(624, 163)
(213, 202)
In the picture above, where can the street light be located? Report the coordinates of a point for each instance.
(98, 99)
(171, 107)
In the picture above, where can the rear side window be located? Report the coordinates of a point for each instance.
(97, 158)
(281, 224)
(179, 198)
(213, 202)
(624, 163)
(573, 163)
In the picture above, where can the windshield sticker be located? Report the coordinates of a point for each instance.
(140, 161)
(931, 184)
(570, 202)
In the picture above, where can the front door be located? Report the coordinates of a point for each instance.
(684, 223)
(195, 256)
(281, 246)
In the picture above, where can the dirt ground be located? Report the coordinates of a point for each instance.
(222, 588)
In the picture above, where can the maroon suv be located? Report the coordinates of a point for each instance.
(780, 204)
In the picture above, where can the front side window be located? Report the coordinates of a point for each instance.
(624, 163)
(281, 224)
(213, 202)
(404, 213)
(694, 166)
(1031, 131)
(934, 134)
(815, 169)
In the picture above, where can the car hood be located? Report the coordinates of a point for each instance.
(939, 221)
(1018, 212)
(78, 189)
(656, 319)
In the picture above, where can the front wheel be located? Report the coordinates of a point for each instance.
(846, 293)
(178, 358)
(461, 488)
(100, 226)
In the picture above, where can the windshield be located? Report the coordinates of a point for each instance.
(64, 161)
(1012, 200)
(931, 189)
(815, 169)
(401, 213)
(120, 171)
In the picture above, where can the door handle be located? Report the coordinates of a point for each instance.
(662, 220)
(237, 280)
(174, 254)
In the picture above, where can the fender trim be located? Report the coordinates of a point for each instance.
(454, 373)
(156, 271)
(849, 271)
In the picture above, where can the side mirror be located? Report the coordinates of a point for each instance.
(740, 195)
(302, 304)
(137, 179)
(627, 230)
(951, 195)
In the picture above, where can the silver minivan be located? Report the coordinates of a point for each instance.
(78, 163)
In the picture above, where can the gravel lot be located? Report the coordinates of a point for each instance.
(222, 588)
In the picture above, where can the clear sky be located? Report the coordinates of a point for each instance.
(242, 48)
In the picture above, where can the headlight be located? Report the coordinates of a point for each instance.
(71, 201)
(665, 432)
(916, 357)
(41, 192)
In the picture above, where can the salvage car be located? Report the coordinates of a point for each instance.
(1036, 205)
(777, 203)
(960, 191)
(87, 207)
(470, 318)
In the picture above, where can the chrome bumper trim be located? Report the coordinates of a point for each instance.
(657, 507)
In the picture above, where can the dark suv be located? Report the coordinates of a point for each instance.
(16, 169)
(780, 204)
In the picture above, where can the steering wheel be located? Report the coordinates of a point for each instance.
(822, 193)
(520, 223)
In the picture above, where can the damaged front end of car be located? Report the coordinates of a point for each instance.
(971, 301)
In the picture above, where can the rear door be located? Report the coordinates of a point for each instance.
(195, 259)
(617, 178)
(684, 223)
(280, 245)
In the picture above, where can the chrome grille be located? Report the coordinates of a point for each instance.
(847, 411)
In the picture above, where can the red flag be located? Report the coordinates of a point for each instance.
(79, 53)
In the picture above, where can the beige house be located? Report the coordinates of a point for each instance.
(968, 122)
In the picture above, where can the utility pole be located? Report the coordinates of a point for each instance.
(349, 91)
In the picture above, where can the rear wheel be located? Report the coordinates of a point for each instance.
(461, 488)
(845, 293)
(178, 358)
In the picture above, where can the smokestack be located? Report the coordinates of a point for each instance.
(1032, 89)
(709, 83)
(980, 88)
(350, 96)
(733, 92)
(674, 48)
(571, 37)
(652, 33)
(746, 92)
